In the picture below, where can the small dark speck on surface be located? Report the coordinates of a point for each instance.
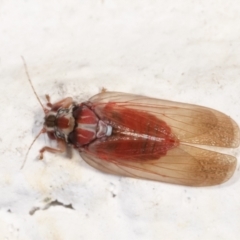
(33, 210)
(51, 204)
(57, 203)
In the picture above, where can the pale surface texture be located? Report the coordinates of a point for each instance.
(178, 50)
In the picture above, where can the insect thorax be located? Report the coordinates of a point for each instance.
(77, 125)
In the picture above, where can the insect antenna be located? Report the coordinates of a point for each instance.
(29, 79)
(44, 109)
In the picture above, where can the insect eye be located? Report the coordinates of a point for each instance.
(50, 121)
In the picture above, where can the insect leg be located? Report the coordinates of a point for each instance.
(61, 148)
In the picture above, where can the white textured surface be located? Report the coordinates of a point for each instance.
(179, 50)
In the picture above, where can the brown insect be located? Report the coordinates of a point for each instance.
(143, 137)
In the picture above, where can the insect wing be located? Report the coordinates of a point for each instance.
(185, 165)
(182, 164)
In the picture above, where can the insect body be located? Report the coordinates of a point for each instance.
(142, 137)
(147, 138)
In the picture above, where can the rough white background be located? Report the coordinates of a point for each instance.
(183, 50)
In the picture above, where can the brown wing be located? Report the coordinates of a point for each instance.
(185, 165)
(190, 123)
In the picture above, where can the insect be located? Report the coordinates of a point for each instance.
(143, 137)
